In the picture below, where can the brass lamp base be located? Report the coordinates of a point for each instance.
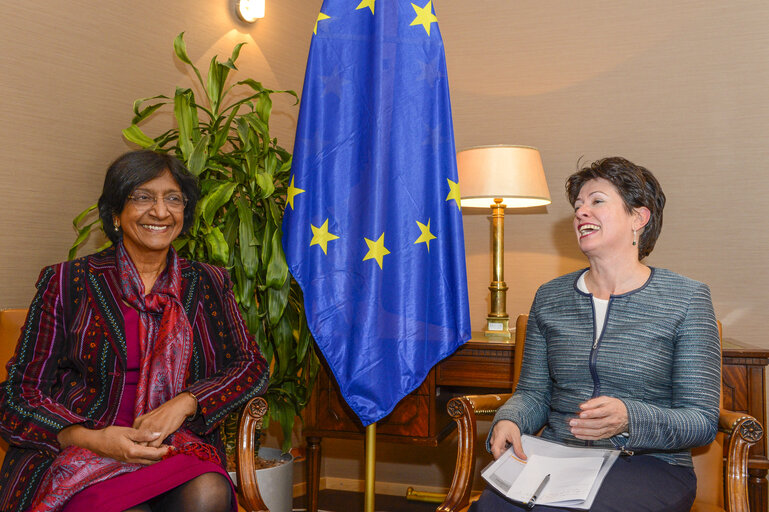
(498, 328)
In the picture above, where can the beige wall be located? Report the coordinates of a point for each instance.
(679, 87)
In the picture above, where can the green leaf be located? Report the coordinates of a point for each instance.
(265, 183)
(276, 303)
(82, 215)
(217, 74)
(242, 128)
(220, 136)
(277, 269)
(135, 134)
(199, 156)
(231, 225)
(303, 342)
(187, 119)
(140, 115)
(246, 235)
(180, 243)
(284, 346)
(217, 247)
(82, 236)
(180, 48)
(269, 229)
(258, 125)
(235, 54)
(270, 165)
(257, 86)
(264, 107)
(215, 199)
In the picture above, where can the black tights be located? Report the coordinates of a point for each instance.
(209, 492)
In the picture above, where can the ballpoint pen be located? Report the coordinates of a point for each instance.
(533, 499)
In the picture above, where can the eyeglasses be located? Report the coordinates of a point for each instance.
(174, 202)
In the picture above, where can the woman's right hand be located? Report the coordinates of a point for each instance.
(506, 433)
(120, 443)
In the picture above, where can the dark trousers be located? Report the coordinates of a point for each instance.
(641, 483)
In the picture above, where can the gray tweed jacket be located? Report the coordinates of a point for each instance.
(659, 353)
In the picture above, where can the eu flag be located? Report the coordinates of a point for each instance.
(373, 228)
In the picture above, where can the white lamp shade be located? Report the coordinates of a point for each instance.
(512, 173)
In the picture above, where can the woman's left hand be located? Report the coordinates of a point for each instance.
(167, 418)
(599, 418)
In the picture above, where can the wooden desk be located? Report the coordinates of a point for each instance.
(486, 367)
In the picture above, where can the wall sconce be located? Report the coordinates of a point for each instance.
(508, 176)
(249, 10)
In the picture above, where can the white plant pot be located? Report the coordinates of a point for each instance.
(276, 484)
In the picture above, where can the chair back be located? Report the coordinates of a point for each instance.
(708, 460)
(709, 466)
(11, 321)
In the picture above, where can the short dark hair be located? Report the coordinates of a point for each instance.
(636, 185)
(133, 169)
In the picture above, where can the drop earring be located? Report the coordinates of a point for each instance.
(635, 238)
(117, 226)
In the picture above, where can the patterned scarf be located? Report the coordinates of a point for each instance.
(165, 341)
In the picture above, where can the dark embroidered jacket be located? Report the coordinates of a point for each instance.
(70, 362)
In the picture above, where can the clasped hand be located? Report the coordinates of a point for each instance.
(140, 444)
(166, 419)
(598, 418)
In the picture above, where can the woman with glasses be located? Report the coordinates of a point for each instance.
(129, 360)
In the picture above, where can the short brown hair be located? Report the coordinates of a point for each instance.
(636, 185)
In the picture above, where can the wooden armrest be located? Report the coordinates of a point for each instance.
(743, 431)
(464, 410)
(746, 425)
(487, 405)
(250, 422)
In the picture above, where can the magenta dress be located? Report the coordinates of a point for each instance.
(130, 489)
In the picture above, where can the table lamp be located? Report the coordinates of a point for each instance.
(500, 177)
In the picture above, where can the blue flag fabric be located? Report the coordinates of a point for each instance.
(373, 229)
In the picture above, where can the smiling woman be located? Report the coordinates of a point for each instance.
(128, 361)
(619, 355)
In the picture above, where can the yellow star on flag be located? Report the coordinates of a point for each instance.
(376, 250)
(426, 236)
(454, 193)
(292, 192)
(425, 16)
(366, 3)
(321, 17)
(321, 236)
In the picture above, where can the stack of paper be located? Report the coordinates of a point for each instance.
(576, 474)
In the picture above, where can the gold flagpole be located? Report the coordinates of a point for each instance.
(368, 504)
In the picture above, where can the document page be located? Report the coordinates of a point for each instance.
(571, 479)
(575, 473)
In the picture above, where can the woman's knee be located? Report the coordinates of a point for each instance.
(209, 492)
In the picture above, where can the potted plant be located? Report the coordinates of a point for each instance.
(243, 173)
